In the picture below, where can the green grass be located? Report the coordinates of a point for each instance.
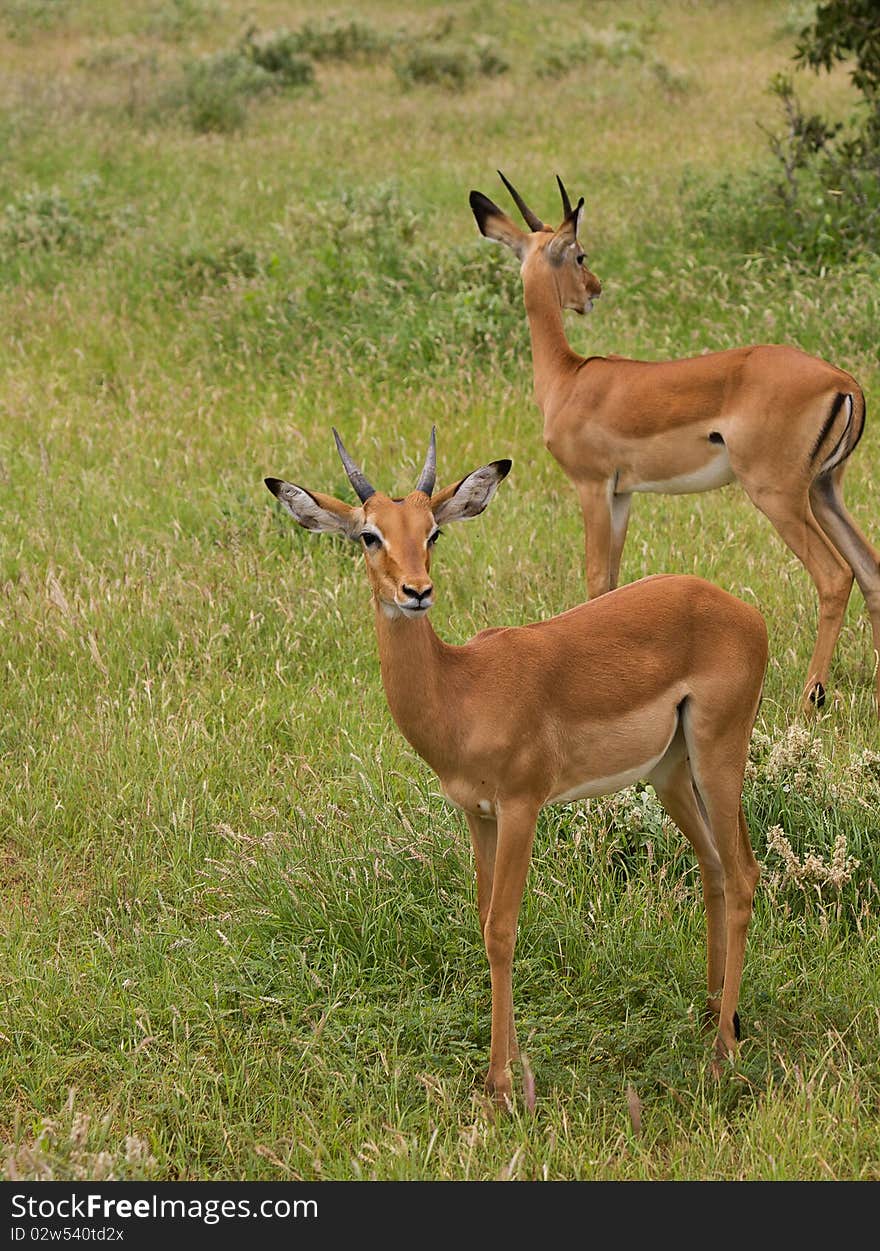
(239, 930)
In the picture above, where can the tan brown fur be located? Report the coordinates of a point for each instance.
(759, 415)
(660, 679)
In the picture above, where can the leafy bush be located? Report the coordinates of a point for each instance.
(21, 17)
(335, 39)
(376, 290)
(448, 65)
(820, 203)
(278, 53)
(200, 268)
(624, 42)
(216, 87)
(174, 20)
(841, 29)
(43, 220)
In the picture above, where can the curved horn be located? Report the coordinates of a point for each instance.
(533, 222)
(566, 203)
(356, 478)
(429, 473)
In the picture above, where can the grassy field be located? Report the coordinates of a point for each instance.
(238, 924)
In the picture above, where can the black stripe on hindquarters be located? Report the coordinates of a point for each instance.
(836, 405)
(842, 447)
(855, 442)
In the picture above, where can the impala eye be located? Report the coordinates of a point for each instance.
(580, 259)
(432, 538)
(371, 540)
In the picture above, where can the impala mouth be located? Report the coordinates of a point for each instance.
(414, 610)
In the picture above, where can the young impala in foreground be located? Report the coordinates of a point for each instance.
(659, 680)
(780, 422)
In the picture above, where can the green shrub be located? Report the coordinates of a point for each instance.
(200, 268)
(335, 39)
(377, 290)
(617, 44)
(435, 64)
(817, 204)
(174, 20)
(43, 220)
(490, 59)
(449, 65)
(217, 87)
(21, 17)
(279, 54)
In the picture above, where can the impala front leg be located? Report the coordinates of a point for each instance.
(596, 497)
(484, 836)
(516, 832)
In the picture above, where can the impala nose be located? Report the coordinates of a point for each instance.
(418, 598)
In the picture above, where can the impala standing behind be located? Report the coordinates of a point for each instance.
(659, 680)
(778, 421)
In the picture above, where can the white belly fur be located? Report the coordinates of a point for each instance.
(717, 473)
(608, 786)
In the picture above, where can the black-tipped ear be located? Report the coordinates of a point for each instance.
(467, 498)
(483, 208)
(314, 510)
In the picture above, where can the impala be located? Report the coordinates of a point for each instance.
(778, 421)
(658, 680)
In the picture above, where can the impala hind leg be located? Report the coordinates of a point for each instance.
(792, 516)
(620, 506)
(717, 763)
(516, 832)
(826, 497)
(674, 785)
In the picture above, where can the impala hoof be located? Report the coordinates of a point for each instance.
(710, 1021)
(500, 1091)
(816, 697)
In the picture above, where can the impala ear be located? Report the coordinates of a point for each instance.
(468, 498)
(315, 511)
(496, 225)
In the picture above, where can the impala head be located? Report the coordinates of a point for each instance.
(397, 535)
(541, 245)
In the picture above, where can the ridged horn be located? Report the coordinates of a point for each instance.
(533, 222)
(429, 473)
(566, 203)
(362, 487)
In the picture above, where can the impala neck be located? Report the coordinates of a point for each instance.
(414, 664)
(552, 357)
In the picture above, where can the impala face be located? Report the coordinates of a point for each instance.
(397, 535)
(576, 285)
(558, 251)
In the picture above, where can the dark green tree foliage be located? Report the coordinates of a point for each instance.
(842, 29)
(828, 200)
